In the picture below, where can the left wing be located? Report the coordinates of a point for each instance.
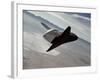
(51, 34)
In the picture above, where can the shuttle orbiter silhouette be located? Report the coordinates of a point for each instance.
(57, 38)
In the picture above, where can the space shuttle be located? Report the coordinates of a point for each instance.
(57, 38)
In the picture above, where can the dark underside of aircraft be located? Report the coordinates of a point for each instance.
(57, 38)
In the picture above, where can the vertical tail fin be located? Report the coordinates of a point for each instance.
(67, 31)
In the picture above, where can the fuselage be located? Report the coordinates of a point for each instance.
(62, 39)
(56, 38)
(65, 38)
